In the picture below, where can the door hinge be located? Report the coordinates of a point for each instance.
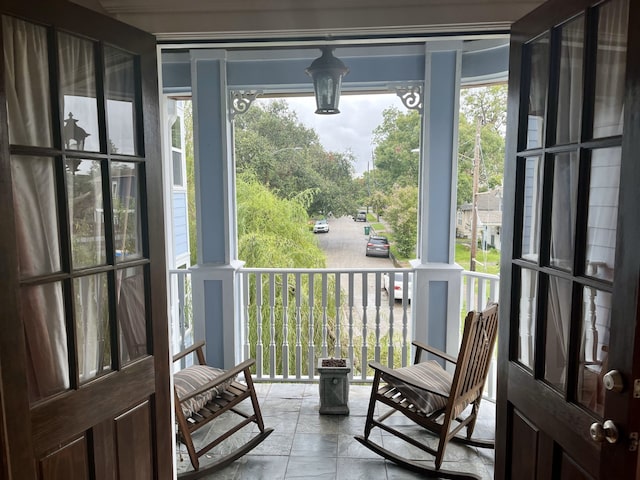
(636, 388)
(633, 441)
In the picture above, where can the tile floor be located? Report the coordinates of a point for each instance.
(308, 445)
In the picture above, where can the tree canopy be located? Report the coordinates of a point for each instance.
(397, 163)
(396, 139)
(287, 156)
(272, 232)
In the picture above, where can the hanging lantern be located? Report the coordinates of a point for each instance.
(327, 72)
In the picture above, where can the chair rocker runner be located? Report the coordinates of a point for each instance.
(204, 393)
(434, 399)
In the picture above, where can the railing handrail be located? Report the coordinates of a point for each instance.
(322, 270)
(488, 276)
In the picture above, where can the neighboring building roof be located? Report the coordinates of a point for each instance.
(493, 218)
(491, 200)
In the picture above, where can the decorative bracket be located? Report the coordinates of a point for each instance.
(241, 100)
(411, 96)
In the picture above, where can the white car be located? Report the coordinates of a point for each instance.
(321, 226)
(398, 283)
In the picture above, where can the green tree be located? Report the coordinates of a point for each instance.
(395, 138)
(191, 181)
(489, 104)
(402, 215)
(272, 232)
(288, 157)
(379, 202)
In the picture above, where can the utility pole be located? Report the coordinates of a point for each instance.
(474, 204)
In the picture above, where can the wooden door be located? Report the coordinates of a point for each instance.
(571, 265)
(84, 345)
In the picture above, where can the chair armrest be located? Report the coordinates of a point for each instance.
(439, 353)
(389, 372)
(227, 375)
(188, 350)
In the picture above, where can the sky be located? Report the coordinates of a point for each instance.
(351, 129)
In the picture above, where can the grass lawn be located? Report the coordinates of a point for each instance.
(487, 261)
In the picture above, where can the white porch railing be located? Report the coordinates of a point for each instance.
(292, 317)
(478, 289)
(181, 305)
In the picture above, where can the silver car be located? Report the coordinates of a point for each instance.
(321, 226)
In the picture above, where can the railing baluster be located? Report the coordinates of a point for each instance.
(246, 301)
(378, 301)
(481, 289)
(259, 352)
(405, 327)
(494, 290)
(351, 352)
(338, 293)
(365, 349)
(298, 325)
(285, 326)
(325, 317)
(311, 354)
(272, 325)
(392, 303)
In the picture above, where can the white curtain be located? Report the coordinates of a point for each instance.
(29, 114)
(564, 202)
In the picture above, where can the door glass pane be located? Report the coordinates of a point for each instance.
(34, 203)
(131, 313)
(527, 317)
(594, 348)
(120, 88)
(86, 211)
(78, 86)
(126, 210)
(46, 340)
(603, 213)
(557, 322)
(26, 79)
(539, 68)
(563, 209)
(610, 68)
(570, 82)
(93, 339)
(532, 207)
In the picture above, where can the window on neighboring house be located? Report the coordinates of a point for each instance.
(176, 134)
(176, 153)
(177, 169)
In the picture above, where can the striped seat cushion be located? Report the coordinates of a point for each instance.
(190, 379)
(432, 376)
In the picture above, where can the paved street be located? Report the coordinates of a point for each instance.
(345, 246)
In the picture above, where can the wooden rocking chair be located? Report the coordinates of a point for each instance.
(204, 393)
(433, 398)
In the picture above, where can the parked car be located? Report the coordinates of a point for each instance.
(361, 216)
(377, 247)
(321, 226)
(396, 289)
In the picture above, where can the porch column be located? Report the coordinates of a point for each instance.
(438, 278)
(216, 292)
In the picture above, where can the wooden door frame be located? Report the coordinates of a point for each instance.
(17, 447)
(615, 460)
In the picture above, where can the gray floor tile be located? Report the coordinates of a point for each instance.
(321, 445)
(308, 445)
(361, 469)
(262, 467)
(312, 467)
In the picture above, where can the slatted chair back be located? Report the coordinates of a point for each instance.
(474, 358)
